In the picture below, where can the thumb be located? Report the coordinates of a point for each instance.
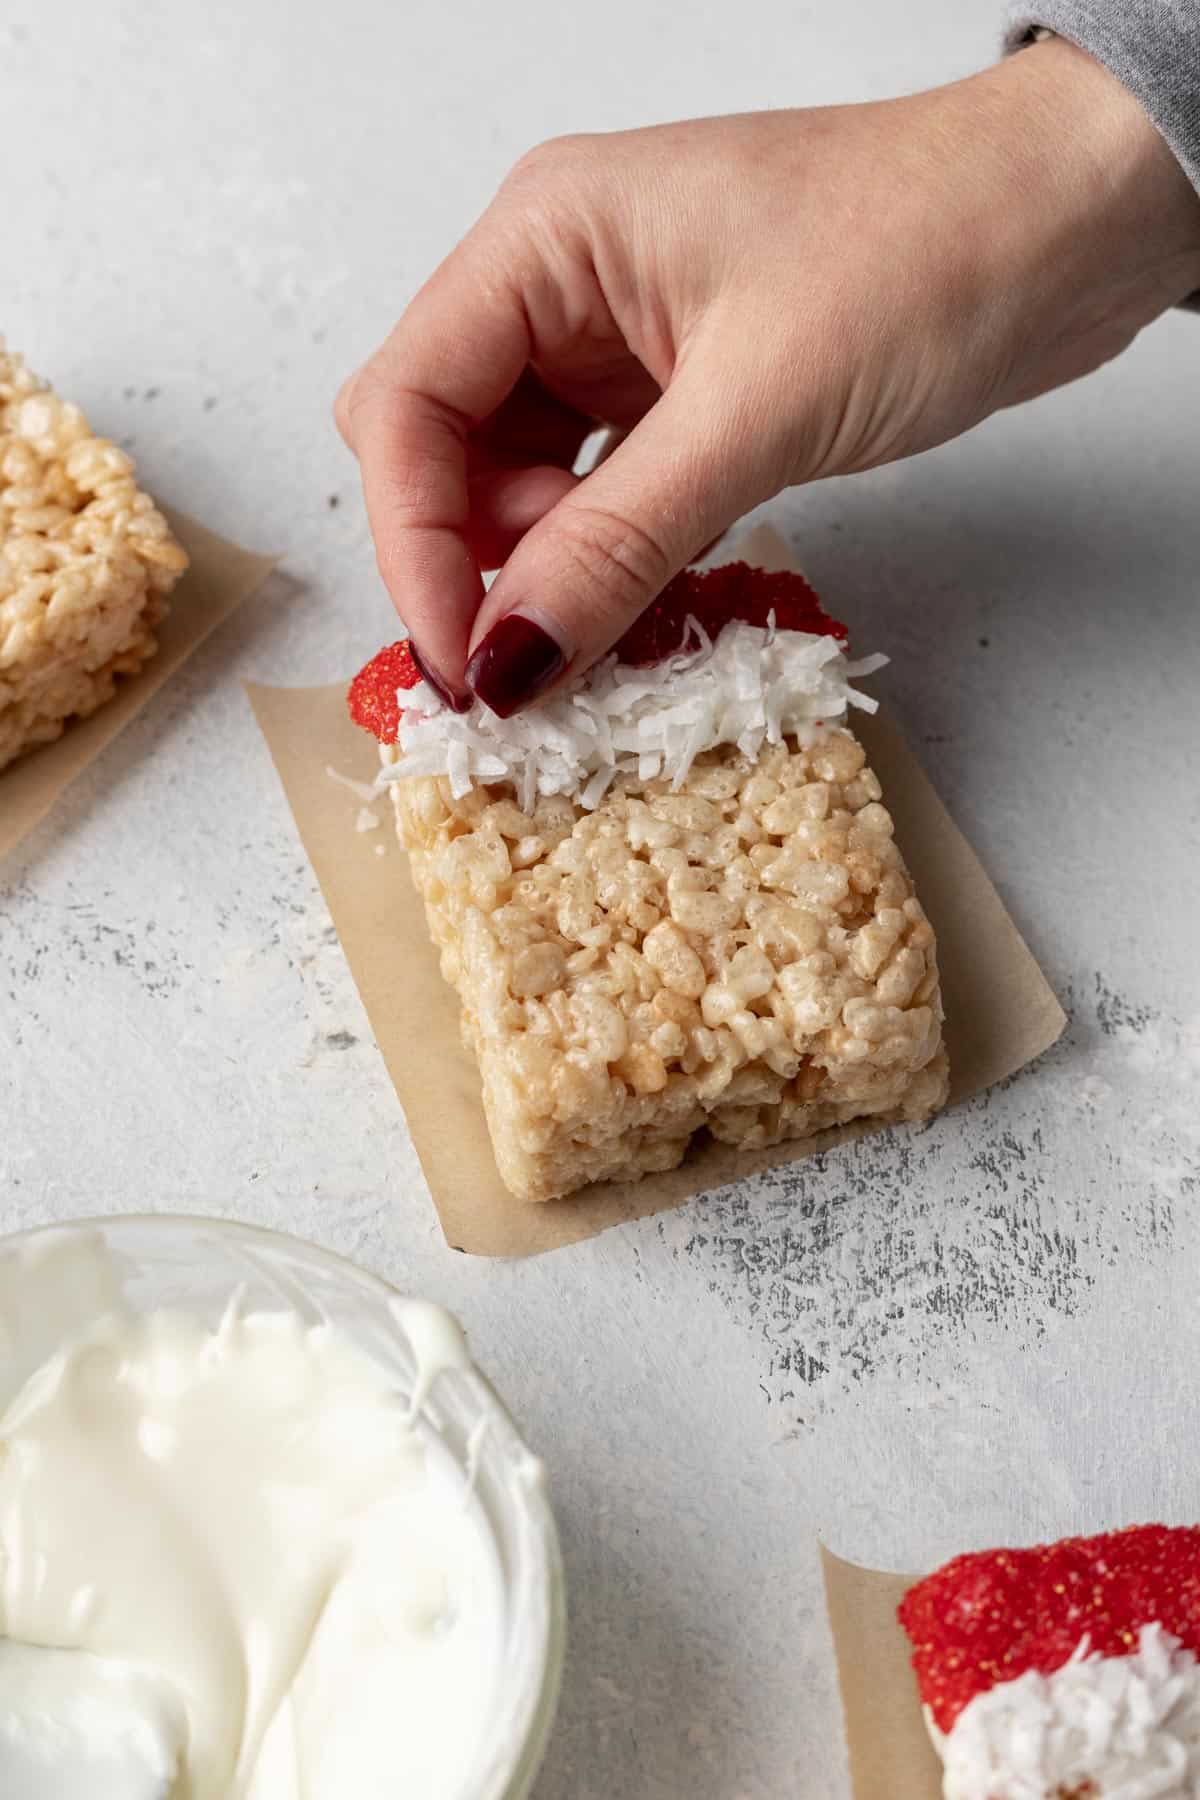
(579, 578)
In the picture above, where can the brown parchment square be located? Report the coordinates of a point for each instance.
(1001, 1012)
(891, 1756)
(221, 575)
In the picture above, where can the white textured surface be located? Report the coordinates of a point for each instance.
(916, 1345)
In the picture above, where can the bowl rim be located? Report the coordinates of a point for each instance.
(517, 1777)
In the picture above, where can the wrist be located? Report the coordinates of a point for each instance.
(1121, 194)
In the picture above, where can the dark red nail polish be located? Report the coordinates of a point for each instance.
(459, 703)
(515, 661)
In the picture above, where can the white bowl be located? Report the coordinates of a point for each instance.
(196, 1265)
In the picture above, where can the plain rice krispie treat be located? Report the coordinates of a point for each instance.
(746, 954)
(86, 564)
(738, 950)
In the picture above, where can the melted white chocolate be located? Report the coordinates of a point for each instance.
(294, 1592)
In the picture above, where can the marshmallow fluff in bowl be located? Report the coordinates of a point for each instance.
(265, 1532)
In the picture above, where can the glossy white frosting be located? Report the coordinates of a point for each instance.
(231, 1566)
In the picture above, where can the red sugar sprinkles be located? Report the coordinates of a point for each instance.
(990, 1617)
(715, 598)
(372, 697)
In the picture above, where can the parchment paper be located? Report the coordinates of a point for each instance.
(221, 576)
(891, 1757)
(1000, 1011)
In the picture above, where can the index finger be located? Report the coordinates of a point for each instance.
(454, 356)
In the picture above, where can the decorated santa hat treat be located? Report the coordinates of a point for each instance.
(668, 894)
(1065, 1672)
(725, 656)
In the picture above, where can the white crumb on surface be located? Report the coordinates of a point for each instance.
(365, 790)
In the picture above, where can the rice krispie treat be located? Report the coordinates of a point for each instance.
(86, 564)
(1065, 1672)
(669, 897)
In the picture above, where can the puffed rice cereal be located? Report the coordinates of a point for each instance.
(86, 564)
(743, 954)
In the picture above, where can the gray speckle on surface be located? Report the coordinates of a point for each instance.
(889, 1251)
(982, 1331)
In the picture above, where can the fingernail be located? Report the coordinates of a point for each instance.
(515, 662)
(459, 703)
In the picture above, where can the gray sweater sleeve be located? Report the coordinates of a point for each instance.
(1152, 46)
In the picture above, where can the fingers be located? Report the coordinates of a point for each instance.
(531, 426)
(504, 505)
(585, 571)
(414, 483)
(450, 363)
(611, 440)
(341, 408)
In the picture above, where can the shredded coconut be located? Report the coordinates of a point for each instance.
(364, 789)
(1116, 1727)
(749, 687)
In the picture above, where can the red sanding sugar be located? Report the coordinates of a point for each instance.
(372, 695)
(717, 596)
(992, 1616)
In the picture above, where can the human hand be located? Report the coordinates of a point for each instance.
(759, 301)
